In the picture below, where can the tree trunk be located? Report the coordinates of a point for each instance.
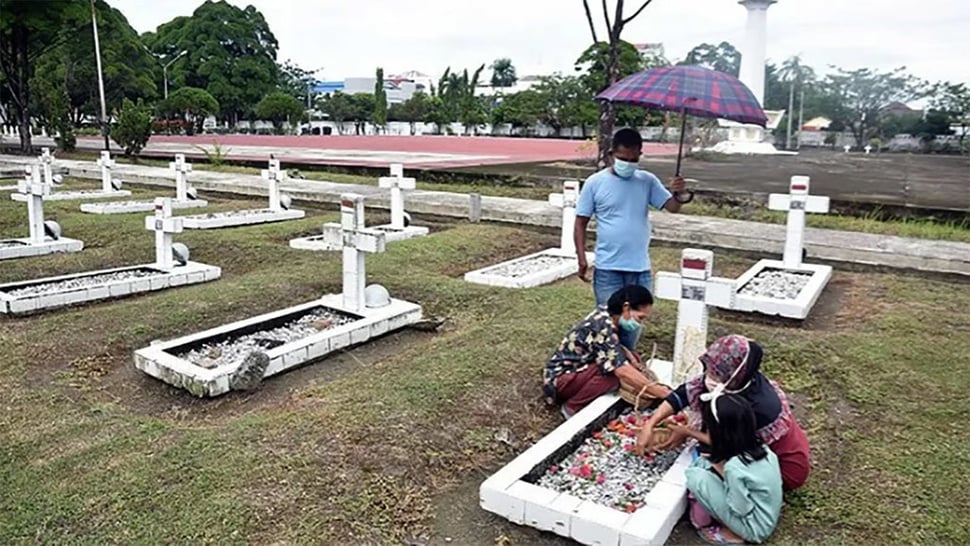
(23, 75)
(791, 109)
(801, 119)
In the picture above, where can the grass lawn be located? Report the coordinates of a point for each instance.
(389, 441)
(740, 209)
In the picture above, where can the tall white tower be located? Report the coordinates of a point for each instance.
(753, 50)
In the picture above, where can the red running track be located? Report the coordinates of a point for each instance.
(504, 150)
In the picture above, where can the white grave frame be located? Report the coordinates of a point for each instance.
(185, 196)
(565, 254)
(278, 211)
(797, 202)
(159, 275)
(38, 242)
(160, 359)
(110, 188)
(511, 494)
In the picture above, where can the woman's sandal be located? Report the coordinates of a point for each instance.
(712, 535)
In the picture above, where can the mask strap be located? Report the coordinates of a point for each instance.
(721, 388)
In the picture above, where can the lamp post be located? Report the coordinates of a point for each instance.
(97, 55)
(165, 69)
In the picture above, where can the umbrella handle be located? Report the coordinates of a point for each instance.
(680, 149)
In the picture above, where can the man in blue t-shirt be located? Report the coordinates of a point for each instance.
(620, 198)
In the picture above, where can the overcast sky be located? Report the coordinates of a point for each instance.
(352, 37)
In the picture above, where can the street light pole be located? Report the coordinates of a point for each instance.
(97, 56)
(165, 69)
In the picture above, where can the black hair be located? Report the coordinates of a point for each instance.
(733, 434)
(627, 138)
(636, 295)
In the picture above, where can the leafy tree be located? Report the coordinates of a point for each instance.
(856, 97)
(133, 127)
(380, 100)
(232, 55)
(522, 109)
(611, 65)
(930, 126)
(569, 103)
(415, 109)
(279, 107)
(503, 73)
(456, 99)
(629, 61)
(28, 30)
(339, 107)
(953, 100)
(191, 104)
(361, 110)
(722, 57)
(295, 81)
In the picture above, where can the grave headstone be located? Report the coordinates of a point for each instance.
(868, 149)
(47, 160)
(695, 290)
(275, 176)
(181, 168)
(35, 190)
(397, 182)
(165, 226)
(797, 203)
(846, 148)
(357, 242)
(108, 184)
(567, 202)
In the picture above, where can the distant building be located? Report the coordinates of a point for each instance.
(820, 123)
(397, 90)
(522, 84)
(898, 109)
(650, 51)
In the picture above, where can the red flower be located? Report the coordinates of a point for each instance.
(630, 508)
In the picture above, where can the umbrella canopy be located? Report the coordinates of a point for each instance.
(696, 90)
(689, 89)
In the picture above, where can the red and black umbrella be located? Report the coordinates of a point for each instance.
(692, 90)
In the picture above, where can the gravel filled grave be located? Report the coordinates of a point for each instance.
(522, 268)
(234, 350)
(776, 283)
(235, 213)
(81, 283)
(605, 470)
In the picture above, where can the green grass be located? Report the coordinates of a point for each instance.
(358, 448)
(871, 222)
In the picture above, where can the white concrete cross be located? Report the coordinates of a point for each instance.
(182, 168)
(165, 226)
(797, 203)
(47, 160)
(868, 149)
(846, 148)
(106, 164)
(397, 182)
(694, 289)
(356, 241)
(567, 201)
(35, 190)
(275, 176)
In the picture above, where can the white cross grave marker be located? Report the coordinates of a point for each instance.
(47, 160)
(275, 176)
(35, 190)
(182, 168)
(868, 149)
(797, 203)
(106, 164)
(397, 182)
(567, 201)
(694, 289)
(846, 148)
(356, 241)
(165, 226)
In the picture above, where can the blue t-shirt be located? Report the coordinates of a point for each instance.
(621, 207)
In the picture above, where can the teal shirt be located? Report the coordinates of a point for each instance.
(748, 500)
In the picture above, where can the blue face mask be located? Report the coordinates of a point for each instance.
(624, 169)
(629, 325)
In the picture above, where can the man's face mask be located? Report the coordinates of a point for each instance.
(624, 169)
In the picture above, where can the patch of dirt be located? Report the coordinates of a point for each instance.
(112, 376)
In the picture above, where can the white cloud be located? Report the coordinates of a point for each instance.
(353, 37)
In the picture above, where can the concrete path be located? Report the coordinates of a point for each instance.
(821, 244)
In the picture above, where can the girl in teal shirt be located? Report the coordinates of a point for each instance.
(739, 482)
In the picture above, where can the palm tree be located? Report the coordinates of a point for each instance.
(503, 73)
(795, 74)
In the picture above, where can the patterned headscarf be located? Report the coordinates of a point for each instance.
(725, 356)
